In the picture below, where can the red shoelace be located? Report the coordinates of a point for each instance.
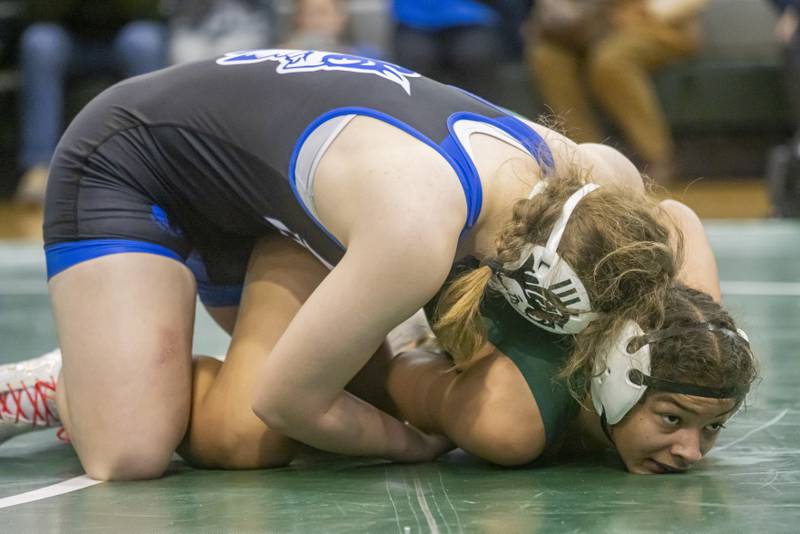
(42, 390)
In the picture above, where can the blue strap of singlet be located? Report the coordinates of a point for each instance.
(465, 168)
(449, 148)
(467, 175)
(517, 128)
(453, 154)
(532, 141)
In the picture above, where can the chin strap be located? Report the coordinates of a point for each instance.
(606, 429)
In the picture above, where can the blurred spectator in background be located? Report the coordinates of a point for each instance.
(513, 18)
(67, 37)
(788, 37)
(454, 41)
(583, 52)
(8, 13)
(200, 29)
(325, 25)
(783, 167)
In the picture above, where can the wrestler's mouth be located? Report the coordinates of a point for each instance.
(657, 467)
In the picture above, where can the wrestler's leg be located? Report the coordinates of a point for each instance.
(699, 269)
(125, 327)
(224, 432)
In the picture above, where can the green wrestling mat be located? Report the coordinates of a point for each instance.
(749, 483)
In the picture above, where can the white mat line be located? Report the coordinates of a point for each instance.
(391, 500)
(746, 287)
(423, 504)
(729, 287)
(757, 429)
(67, 486)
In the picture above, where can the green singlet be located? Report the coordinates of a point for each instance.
(537, 353)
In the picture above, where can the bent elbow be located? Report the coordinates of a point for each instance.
(511, 446)
(272, 412)
(509, 457)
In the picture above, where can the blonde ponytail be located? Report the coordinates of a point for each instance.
(458, 324)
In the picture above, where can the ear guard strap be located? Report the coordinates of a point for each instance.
(639, 378)
(566, 212)
(540, 285)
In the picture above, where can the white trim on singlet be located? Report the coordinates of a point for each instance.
(318, 142)
(310, 154)
(465, 128)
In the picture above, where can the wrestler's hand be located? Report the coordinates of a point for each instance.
(423, 447)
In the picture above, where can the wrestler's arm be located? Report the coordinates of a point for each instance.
(394, 263)
(488, 409)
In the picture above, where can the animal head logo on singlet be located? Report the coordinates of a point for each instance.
(299, 61)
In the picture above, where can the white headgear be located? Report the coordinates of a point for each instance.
(621, 377)
(541, 286)
(613, 393)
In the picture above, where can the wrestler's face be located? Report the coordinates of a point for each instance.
(669, 432)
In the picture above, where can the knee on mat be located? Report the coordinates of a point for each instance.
(127, 463)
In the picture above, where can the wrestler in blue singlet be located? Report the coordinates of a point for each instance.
(197, 161)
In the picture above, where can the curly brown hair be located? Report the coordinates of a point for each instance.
(616, 241)
(700, 357)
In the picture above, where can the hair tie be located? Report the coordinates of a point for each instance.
(493, 264)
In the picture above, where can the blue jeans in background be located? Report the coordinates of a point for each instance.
(49, 54)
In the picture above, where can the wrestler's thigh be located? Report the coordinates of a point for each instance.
(125, 327)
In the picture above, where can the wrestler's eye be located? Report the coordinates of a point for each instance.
(714, 427)
(671, 420)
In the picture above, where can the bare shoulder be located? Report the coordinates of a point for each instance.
(377, 172)
(498, 419)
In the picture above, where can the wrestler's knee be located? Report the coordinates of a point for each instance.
(127, 462)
